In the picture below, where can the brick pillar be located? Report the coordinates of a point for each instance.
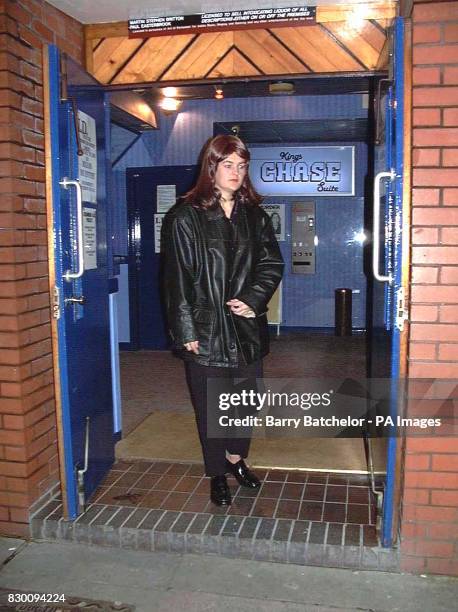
(429, 528)
(28, 441)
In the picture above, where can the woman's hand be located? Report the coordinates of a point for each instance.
(193, 346)
(241, 309)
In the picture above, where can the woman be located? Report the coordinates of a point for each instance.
(222, 266)
(276, 223)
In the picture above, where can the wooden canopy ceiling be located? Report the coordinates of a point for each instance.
(336, 43)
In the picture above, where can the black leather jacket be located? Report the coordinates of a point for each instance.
(209, 260)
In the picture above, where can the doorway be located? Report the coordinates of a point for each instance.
(306, 345)
(162, 157)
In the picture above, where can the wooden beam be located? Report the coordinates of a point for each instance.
(406, 264)
(344, 12)
(88, 54)
(49, 155)
(106, 30)
(153, 58)
(111, 55)
(384, 57)
(405, 8)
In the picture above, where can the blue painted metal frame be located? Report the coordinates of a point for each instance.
(398, 160)
(54, 92)
(389, 205)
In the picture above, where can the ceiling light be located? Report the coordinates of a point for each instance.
(279, 88)
(169, 92)
(219, 94)
(170, 104)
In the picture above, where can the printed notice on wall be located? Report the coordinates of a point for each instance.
(166, 196)
(219, 21)
(90, 238)
(87, 163)
(276, 213)
(157, 232)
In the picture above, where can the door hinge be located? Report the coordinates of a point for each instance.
(56, 303)
(401, 309)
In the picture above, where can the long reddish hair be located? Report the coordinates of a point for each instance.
(205, 194)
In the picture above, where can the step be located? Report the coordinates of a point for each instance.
(279, 540)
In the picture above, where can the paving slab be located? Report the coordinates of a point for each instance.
(159, 581)
(209, 602)
(354, 589)
(9, 547)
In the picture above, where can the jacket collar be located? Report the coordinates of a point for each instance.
(214, 214)
(218, 213)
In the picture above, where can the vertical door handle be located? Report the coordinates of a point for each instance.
(376, 223)
(69, 275)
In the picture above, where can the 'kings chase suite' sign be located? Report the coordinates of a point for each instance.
(295, 171)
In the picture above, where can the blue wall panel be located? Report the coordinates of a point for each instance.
(119, 213)
(180, 137)
(307, 301)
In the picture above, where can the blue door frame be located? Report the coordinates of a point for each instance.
(81, 331)
(392, 233)
(74, 402)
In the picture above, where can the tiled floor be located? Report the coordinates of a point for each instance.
(156, 379)
(307, 518)
(284, 494)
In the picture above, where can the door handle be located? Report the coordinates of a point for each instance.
(66, 183)
(75, 300)
(376, 230)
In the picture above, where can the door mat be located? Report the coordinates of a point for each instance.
(25, 601)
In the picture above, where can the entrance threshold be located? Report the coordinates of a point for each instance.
(296, 517)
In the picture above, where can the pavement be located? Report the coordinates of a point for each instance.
(159, 581)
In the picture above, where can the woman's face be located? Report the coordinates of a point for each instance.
(230, 173)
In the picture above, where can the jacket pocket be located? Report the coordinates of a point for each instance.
(204, 323)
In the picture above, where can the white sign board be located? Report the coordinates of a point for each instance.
(87, 163)
(157, 232)
(300, 171)
(166, 196)
(90, 238)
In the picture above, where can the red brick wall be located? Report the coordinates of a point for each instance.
(28, 452)
(28, 448)
(429, 528)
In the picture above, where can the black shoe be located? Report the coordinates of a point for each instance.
(242, 474)
(220, 493)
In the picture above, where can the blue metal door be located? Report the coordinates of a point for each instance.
(387, 290)
(148, 328)
(77, 147)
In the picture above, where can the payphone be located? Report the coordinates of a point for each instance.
(303, 237)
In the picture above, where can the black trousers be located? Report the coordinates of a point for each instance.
(214, 449)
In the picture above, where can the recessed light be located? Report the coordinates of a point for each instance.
(279, 88)
(169, 92)
(170, 104)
